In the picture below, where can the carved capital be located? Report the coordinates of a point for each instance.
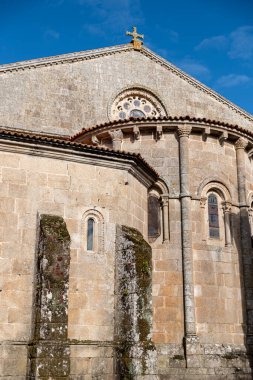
(184, 130)
(116, 135)
(227, 207)
(165, 200)
(241, 143)
(203, 202)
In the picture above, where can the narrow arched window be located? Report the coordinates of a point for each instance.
(90, 234)
(213, 216)
(154, 224)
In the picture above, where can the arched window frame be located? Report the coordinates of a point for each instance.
(224, 213)
(213, 216)
(161, 192)
(98, 231)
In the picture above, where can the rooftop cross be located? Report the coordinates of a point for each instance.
(135, 41)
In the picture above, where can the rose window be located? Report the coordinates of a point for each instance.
(137, 105)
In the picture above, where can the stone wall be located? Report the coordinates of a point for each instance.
(67, 97)
(32, 186)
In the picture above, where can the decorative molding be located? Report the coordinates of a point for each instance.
(64, 58)
(145, 174)
(215, 183)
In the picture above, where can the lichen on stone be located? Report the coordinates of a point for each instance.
(135, 353)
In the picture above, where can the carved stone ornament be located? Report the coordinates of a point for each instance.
(227, 207)
(203, 202)
(159, 132)
(223, 137)
(184, 130)
(116, 134)
(241, 143)
(136, 131)
(165, 200)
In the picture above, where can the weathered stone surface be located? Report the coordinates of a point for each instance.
(135, 352)
(49, 352)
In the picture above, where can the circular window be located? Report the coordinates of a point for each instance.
(136, 103)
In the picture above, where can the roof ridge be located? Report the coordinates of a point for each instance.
(195, 82)
(56, 59)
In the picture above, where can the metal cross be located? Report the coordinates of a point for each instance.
(136, 42)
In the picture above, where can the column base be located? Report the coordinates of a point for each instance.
(193, 351)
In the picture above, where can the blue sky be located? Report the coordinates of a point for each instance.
(212, 40)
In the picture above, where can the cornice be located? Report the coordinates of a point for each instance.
(164, 122)
(36, 145)
(64, 58)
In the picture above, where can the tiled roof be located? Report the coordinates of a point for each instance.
(7, 134)
(163, 119)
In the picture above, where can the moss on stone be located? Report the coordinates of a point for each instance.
(134, 283)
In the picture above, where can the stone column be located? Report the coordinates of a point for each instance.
(245, 234)
(117, 137)
(191, 339)
(165, 212)
(203, 220)
(227, 212)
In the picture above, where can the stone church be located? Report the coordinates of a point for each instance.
(126, 211)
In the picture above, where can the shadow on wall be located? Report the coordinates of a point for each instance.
(243, 242)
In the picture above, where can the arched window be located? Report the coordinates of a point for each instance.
(213, 216)
(93, 231)
(154, 216)
(90, 234)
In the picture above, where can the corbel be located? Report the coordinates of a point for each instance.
(206, 132)
(95, 140)
(136, 131)
(159, 132)
(223, 137)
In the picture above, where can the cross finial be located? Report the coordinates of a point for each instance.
(135, 41)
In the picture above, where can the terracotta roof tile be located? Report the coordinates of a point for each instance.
(160, 119)
(65, 142)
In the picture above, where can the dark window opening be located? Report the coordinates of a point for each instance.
(154, 223)
(90, 234)
(213, 217)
